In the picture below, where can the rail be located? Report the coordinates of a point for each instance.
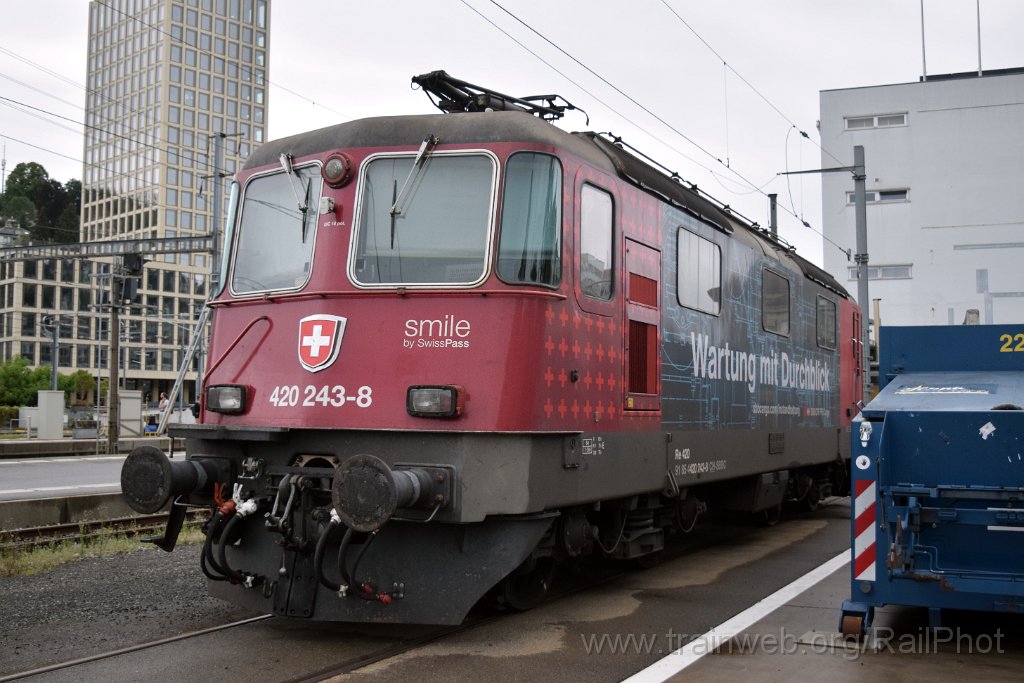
(142, 525)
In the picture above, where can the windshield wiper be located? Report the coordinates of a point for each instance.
(303, 204)
(428, 144)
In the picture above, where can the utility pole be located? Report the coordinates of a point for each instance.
(218, 200)
(53, 332)
(128, 267)
(861, 257)
(114, 401)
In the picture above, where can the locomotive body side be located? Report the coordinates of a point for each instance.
(462, 360)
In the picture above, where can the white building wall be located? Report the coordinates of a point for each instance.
(960, 156)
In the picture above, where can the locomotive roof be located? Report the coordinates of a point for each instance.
(511, 126)
(409, 131)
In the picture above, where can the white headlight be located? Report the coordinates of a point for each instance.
(435, 401)
(226, 398)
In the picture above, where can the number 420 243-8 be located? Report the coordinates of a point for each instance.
(288, 395)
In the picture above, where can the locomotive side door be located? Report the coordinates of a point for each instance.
(641, 382)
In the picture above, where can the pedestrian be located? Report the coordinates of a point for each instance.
(163, 402)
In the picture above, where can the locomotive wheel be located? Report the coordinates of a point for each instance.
(524, 588)
(772, 515)
(648, 561)
(853, 626)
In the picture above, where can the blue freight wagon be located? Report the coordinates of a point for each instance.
(938, 475)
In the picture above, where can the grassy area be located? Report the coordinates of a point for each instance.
(41, 559)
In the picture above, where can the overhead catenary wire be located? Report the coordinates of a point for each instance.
(147, 206)
(742, 78)
(242, 67)
(582, 88)
(792, 124)
(661, 120)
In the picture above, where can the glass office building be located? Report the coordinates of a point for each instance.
(165, 79)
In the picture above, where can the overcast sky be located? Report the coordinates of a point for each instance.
(698, 85)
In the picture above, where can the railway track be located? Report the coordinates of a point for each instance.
(393, 645)
(140, 525)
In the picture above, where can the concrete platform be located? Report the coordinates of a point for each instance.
(22, 514)
(800, 640)
(42, 448)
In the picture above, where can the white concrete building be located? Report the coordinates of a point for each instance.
(944, 160)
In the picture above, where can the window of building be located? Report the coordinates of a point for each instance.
(880, 196)
(596, 243)
(775, 303)
(28, 325)
(169, 281)
(698, 273)
(898, 271)
(83, 327)
(875, 121)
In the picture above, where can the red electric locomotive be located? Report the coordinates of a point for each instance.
(452, 350)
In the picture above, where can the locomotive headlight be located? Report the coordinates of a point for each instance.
(337, 170)
(435, 401)
(226, 398)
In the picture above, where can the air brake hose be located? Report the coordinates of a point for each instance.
(318, 556)
(232, 575)
(206, 559)
(342, 551)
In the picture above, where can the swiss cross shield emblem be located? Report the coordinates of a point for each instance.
(320, 340)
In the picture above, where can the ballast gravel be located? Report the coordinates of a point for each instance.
(98, 604)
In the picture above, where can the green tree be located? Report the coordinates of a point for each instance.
(19, 208)
(19, 383)
(25, 178)
(79, 383)
(55, 207)
(70, 220)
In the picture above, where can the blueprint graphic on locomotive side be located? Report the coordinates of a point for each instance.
(723, 370)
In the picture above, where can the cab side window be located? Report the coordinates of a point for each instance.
(775, 303)
(596, 243)
(530, 249)
(826, 323)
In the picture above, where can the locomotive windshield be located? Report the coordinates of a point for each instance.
(275, 236)
(439, 233)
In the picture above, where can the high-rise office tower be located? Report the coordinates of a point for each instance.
(165, 79)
